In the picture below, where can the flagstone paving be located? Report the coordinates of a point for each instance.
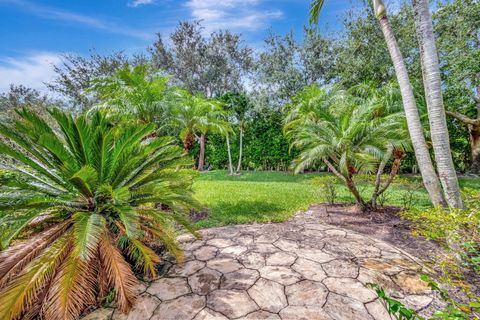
(299, 269)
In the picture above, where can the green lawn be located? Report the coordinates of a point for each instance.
(276, 196)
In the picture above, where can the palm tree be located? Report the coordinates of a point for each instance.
(436, 110)
(82, 210)
(133, 93)
(332, 126)
(429, 176)
(238, 106)
(197, 116)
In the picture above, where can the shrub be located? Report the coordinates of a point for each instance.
(81, 203)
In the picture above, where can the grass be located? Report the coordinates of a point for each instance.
(276, 196)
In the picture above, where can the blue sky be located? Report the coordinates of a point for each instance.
(36, 33)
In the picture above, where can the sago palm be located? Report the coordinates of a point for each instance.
(332, 126)
(82, 209)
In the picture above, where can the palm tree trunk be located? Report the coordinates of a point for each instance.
(436, 111)
(378, 178)
(201, 156)
(393, 173)
(349, 183)
(239, 166)
(230, 166)
(430, 178)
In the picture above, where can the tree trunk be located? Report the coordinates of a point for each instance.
(378, 178)
(239, 166)
(201, 156)
(398, 156)
(436, 111)
(230, 166)
(430, 178)
(349, 183)
(473, 126)
(474, 133)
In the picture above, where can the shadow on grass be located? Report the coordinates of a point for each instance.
(243, 211)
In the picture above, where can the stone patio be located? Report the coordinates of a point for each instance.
(298, 269)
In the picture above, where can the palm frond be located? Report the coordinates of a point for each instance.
(22, 291)
(118, 272)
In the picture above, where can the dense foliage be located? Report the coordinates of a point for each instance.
(83, 207)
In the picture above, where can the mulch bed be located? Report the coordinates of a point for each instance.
(385, 224)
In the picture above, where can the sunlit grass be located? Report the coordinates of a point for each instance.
(276, 196)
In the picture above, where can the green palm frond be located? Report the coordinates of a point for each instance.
(315, 8)
(76, 194)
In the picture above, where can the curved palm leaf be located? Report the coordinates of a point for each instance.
(78, 201)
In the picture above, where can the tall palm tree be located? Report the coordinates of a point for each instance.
(237, 106)
(332, 127)
(429, 176)
(81, 211)
(436, 111)
(197, 116)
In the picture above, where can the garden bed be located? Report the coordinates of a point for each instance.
(385, 224)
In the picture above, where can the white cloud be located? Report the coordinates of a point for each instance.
(136, 3)
(73, 17)
(231, 14)
(30, 71)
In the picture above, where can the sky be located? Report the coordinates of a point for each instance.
(35, 33)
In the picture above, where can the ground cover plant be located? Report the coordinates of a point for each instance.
(82, 208)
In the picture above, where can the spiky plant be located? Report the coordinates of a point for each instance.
(81, 212)
(349, 132)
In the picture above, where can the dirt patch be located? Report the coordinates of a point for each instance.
(385, 224)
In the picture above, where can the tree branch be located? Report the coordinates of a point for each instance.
(463, 118)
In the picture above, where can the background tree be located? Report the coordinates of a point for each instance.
(75, 73)
(197, 116)
(237, 107)
(285, 66)
(18, 97)
(210, 65)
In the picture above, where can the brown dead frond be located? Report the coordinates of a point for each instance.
(14, 259)
(119, 273)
